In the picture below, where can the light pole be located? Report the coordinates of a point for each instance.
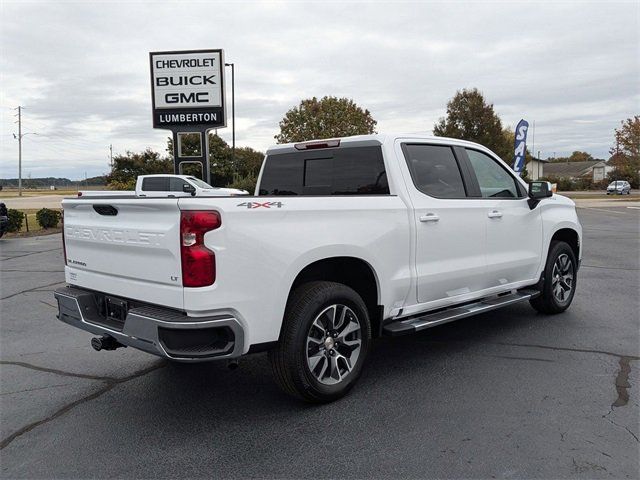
(233, 109)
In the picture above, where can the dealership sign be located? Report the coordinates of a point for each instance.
(187, 89)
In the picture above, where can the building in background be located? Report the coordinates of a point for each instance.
(535, 168)
(596, 170)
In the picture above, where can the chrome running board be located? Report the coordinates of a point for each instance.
(415, 324)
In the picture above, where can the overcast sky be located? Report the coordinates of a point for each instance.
(81, 69)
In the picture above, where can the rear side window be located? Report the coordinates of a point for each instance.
(339, 171)
(162, 184)
(434, 170)
(155, 184)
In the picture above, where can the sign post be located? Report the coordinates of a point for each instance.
(188, 98)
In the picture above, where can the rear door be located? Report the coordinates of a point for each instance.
(514, 231)
(128, 247)
(450, 226)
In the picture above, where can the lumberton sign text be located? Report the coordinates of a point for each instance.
(188, 89)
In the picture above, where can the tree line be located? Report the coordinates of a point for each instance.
(46, 182)
(468, 117)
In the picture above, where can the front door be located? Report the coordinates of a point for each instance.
(514, 231)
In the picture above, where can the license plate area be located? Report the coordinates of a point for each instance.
(113, 312)
(116, 309)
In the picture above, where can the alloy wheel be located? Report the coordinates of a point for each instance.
(333, 344)
(562, 278)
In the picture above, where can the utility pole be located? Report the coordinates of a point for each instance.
(233, 109)
(533, 139)
(111, 156)
(19, 138)
(19, 151)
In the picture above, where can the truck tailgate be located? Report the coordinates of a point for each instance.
(126, 247)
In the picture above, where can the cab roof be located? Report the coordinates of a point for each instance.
(364, 141)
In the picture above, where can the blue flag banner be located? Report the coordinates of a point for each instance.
(520, 146)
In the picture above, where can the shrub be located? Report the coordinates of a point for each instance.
(48, 218)
(129, 184)
(564, 184)
(601, 185)
(16, 217)
(247, 183)
(585, 183)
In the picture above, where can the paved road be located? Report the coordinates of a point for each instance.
(634, 193)
(510, 394)
(40, 201)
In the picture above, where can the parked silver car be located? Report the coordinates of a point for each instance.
(620, 187)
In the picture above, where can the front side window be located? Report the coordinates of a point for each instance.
(493, 179)
(176, 184)
(434, 170)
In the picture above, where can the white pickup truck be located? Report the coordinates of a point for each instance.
(344, 240)
(166, 185)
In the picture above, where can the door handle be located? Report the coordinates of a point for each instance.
(494, 214)
(429, 217)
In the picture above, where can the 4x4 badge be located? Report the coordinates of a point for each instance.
(261, 204)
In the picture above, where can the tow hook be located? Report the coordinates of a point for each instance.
(232, 364)
(105, 343)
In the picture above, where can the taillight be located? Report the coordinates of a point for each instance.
(64, 245)
(198, 262)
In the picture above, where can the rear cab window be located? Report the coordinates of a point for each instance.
(357, 170)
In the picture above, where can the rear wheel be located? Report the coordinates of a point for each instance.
(560, 275)
(324, 342)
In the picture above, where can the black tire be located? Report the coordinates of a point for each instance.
(290, 358)
(555, 298)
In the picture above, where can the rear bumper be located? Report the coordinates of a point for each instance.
(160, 331)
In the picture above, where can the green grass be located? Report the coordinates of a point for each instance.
(30, 225)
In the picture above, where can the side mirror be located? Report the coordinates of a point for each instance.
(538, 191)
(188, 188)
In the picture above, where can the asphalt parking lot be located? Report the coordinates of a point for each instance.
(509, 394)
